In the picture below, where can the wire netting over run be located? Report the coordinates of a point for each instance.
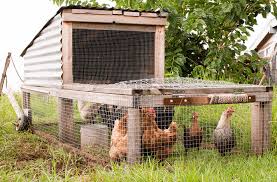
(176, 83)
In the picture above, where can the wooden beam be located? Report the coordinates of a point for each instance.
(134, 136)
(66, 122)
(267, 125)
(7, 63)
(148, 14)
(121, 27)
(111, 99)
(131, 13)
(159, 52)
(118, 19)
(99, 88)
(67, 52)
(92, 11)
(260, 127)
(117, 12)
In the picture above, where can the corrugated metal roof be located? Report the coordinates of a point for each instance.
(158, 11)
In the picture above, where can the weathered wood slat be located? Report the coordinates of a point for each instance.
(7, 63)
(120, 19)
(121, 27)
(134, 136)
(67, 52)
(129, 13)
(159, 51)
(124, 97)
(103, 98)
(92, 11)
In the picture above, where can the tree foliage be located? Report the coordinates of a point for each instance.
(205, 38)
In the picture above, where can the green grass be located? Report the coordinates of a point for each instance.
(26, 157)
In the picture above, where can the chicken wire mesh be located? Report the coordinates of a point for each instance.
(160, 132)
(110, 56)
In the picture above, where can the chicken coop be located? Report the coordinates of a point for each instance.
(93, 79)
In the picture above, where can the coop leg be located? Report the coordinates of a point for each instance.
(260, 127)
(134, 136)
(66, 123)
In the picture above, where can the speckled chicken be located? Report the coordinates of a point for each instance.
(118, 150)
(224, 138)
(193, 135)
(87, 111)
(159, 142)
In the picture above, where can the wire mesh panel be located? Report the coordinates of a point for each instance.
(162, 125)
(110, 56)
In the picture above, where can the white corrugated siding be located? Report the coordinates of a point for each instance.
(43, 60)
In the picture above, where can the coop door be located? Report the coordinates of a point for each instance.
(110, 56)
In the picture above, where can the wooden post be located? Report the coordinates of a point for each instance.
(7, 63)
(159, 51)
(66, 122)
(267, 125)
(67, 52)
(260, 127)
(26, 105)
(134, 136)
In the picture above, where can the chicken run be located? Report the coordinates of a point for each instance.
(165, 118)
(94, 80)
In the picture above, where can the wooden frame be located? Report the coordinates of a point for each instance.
(159, 51)
(122, 27)
(260, 127)
(67, 52)
(261, 109)
(134, 136)
(7, 63)
(118, 19)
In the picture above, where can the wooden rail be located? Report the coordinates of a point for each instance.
(7, 63)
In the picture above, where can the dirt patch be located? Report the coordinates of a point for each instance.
(31, 151)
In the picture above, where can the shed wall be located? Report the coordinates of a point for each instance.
(43, 60)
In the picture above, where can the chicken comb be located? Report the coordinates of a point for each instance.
(151, 110)
(230, 109)
(195, 114)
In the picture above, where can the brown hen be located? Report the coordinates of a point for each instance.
(159, 142)
(118, 150)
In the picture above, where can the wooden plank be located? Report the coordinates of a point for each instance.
(134, 136)
(121, 27)
(117, 12)
(192, 99)
(210, 90)
(66, 122)
(99, 88)
(130, 13)
(159, 51)
(260, 126)
(187, 101)
(67, 52)
(92, 11)
(148, 14)
(119, 19)
(7, 63)
(267, 125)
(257, 128)
(103, 98)
(204, 100)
